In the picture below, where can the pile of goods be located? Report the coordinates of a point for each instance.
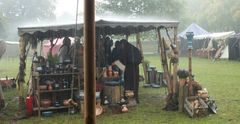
(108, 72)
(196, 107)
(154, 78)
(52, 66)
(200, 105)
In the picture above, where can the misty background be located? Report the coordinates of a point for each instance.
(212, 15)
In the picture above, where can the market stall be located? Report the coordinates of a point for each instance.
(33, 36)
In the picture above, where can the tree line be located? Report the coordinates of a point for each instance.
(213, 15)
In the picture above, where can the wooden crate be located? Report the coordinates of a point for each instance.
(195, 110)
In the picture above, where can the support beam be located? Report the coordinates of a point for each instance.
(89, 62)
(139, 46)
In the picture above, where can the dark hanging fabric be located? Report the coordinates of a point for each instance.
(116, 52)
(107, 45)
(131, 57)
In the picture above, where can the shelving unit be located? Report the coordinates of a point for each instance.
(54, 94)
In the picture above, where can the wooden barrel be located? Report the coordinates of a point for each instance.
(113, 93)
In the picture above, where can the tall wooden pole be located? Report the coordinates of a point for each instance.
(189, 38)
(139, 46)
(21, 76)
(89, 62)
(175, 64)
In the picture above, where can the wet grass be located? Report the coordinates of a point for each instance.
(221, 78)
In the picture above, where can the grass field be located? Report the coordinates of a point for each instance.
(221, 79)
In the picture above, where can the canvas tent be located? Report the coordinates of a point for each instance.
(197, 30)
(35, 35)
(234, 47)
(12, 49)
(221, 48)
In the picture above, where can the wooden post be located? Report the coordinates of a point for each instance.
(139, 46)
(181, 97)
(21, 76)
(175, 64)
(164, 61)
(89, 62)
(189, 38)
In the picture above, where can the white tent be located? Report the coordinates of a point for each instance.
(225, 53)
(196, 29)
(11, 50)
(215, 36)
(220, 38)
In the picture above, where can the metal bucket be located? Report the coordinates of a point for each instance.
(159, 78)
(152, 75)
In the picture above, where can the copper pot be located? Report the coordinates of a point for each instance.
(45, 103)
(129, 93)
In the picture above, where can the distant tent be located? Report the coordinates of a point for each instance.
(220, 39)
(12, 49)
(2, 48)
(234, 47)
(196, 29)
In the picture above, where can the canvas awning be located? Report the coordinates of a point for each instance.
(102, 26)
(216, 36)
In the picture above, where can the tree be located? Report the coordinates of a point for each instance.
(213, 15)
(18, 12)
(137, 8)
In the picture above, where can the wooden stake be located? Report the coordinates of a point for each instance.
(139, 46)
(89, 62)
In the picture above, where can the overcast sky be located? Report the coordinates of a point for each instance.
(68, 6)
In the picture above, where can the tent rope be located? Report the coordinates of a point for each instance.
(74, 56)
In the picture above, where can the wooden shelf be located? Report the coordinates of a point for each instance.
(51, 108)
(110, 78)
(59, 90)
(56, 74)
(54, 93)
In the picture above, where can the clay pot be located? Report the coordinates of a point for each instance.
(50, 87)
(129, 93)
(115, 74)
(109, 73)
(66, 102)
(124, 108)
(45, 103)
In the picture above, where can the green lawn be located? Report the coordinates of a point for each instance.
(220, 78)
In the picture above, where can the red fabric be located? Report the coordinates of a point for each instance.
(29, 105)
(99, 87)
(55, 50)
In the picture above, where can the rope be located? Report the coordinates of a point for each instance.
(74, 55)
